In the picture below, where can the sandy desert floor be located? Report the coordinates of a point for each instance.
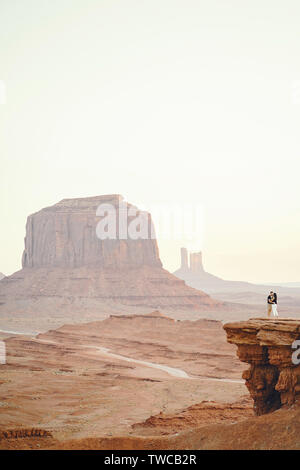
(123, 376)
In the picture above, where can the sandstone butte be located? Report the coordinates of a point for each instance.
(67, 269)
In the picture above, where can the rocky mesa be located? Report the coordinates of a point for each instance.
(69, 268)
(65, 235)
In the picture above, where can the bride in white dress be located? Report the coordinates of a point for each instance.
(274, 305)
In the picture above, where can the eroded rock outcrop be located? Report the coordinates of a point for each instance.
(64, 235)
(273, 378)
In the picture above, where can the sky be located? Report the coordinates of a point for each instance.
(189, 103)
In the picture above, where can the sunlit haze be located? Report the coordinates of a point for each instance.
(165, 102)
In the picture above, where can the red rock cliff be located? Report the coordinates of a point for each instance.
(273, 378)
(64, 235)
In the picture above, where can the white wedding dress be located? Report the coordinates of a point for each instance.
(274, 310)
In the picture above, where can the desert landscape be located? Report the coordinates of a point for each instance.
(118, 376)
(106, 349)
(150, 382)
(150, 226)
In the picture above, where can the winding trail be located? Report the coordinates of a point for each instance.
(9, 332)
(170, 370)
(173, 371)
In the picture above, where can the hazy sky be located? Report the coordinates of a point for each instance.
(163, 101)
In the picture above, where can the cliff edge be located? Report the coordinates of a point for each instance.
(271, 348)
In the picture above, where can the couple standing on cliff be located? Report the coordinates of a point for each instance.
(272, 304)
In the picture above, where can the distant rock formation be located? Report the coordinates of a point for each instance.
(273, 379)
(69, 270)
(64, 235)
(2, 276)
(194, 275)
(196, 264)
(184, 259)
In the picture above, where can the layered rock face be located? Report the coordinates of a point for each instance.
(65, 235)
(273, 378)
(87, 257)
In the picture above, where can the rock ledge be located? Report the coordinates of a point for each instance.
(273, 378)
